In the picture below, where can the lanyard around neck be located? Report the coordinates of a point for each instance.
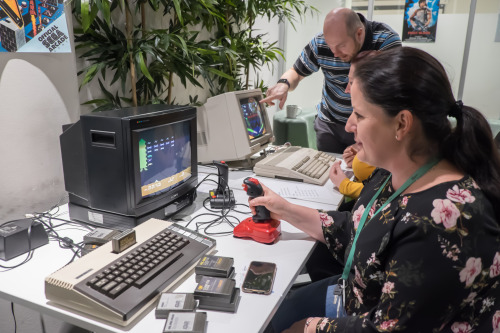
(419, 173)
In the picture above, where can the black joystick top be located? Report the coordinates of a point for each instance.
(254, 189)
(223, 172)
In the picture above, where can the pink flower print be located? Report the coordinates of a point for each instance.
(471, 298)
(388, 287)
(372, 209)
(404, 201)
(495, 267)
(470, 271)
(358, 279)
(358, 294)
(388, 325)
(460, 195)
(445, 212)
(326, 220)
(323, 323)
(356, 216)
(461, 327)
(496, 322)
(372, 260)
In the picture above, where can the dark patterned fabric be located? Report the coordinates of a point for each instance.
(429, 262)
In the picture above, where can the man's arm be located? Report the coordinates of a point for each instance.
(412, 19)
(429, 15)
(280, 90)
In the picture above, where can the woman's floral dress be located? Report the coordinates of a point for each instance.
(429, 262)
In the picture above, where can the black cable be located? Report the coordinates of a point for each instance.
(42, 324)
(221, 217)
(220, 214)
(13, 316)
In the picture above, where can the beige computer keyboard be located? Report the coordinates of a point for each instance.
(296, 163)
(122, 287)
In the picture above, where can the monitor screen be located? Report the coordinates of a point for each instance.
(253, 116)
(164, 157)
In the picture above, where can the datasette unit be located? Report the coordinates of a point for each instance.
(119, 287)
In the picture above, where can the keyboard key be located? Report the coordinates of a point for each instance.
(157, 270)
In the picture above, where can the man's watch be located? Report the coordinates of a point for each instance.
(284, 81)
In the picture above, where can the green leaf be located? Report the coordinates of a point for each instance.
(178, 10)
(106, 92)
(85, 14)
(98, 101)
(104, 8)
(144, 68)
(219, 73)
(91, 72)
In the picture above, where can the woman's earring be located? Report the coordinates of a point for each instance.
(397, 137)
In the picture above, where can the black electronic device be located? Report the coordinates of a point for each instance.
(222, 197)
(20, 236)
(214, 293)
(260, 227)
(254, 190)
(259, 278)
(217, 266)
(123, 167)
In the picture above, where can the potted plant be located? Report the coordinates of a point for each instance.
(204, 42)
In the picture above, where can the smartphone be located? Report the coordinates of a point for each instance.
(259, 278)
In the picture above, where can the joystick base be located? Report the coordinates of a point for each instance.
(266, 232)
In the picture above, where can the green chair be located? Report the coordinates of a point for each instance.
(298, 131)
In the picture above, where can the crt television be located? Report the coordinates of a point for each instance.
(122, 167)
(233, 126)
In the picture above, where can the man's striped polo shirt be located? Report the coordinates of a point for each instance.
(335, 105)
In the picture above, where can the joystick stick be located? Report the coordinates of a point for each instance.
(260, 227)
(222, 197)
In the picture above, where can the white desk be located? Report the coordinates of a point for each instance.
(24, 285)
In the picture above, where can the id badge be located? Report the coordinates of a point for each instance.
(338, 301)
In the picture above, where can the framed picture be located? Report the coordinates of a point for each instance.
(420, 21)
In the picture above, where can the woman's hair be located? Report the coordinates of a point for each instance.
(410, 79)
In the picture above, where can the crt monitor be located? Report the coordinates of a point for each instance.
(233, 126)
(122, 167)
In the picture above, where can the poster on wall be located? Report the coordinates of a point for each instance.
(420, 21)
(33, 26)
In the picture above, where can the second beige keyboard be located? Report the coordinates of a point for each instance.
(296, 163)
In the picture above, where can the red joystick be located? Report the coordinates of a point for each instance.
(260, 227)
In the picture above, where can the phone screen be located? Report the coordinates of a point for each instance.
(259, 278)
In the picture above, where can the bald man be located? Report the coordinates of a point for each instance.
(345, 34)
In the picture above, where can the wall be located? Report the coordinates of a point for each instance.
(483, 71)
(308, 92)
(38, 94)
(482, 81)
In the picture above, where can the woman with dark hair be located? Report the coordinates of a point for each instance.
(422, 245)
